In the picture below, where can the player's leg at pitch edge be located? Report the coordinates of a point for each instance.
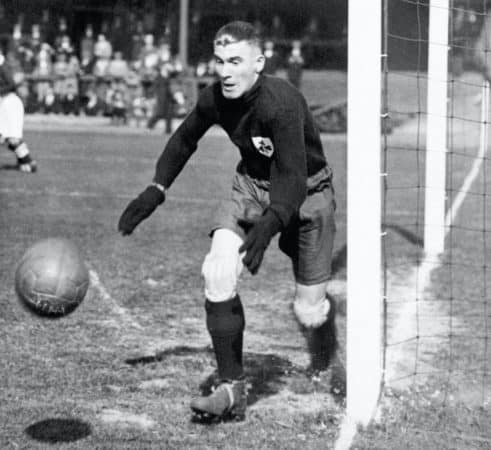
(225, 322)
(11, 131)
(228, 397)
(318, 325)
(25, 163)
(317, 321)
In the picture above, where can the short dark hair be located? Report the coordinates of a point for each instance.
(238, 30)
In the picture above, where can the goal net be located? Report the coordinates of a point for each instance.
(419, 189)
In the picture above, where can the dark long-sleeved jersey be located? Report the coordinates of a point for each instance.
(7, 83)
(274, 130)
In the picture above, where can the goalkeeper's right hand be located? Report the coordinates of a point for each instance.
(140, 208)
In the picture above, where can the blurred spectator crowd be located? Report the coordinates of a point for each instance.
(97, 78)
(130, 77)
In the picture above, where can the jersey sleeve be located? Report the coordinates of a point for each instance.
(288, 173)
(184, 142)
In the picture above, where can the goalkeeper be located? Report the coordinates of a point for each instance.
(282, 186)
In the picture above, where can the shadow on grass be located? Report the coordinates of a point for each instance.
(267, 374)
(406, 234)
(8, 167)
(55, 430)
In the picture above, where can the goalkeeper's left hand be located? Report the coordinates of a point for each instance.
(259, 235)
(140, 208)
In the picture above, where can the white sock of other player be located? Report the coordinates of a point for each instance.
(21, 151)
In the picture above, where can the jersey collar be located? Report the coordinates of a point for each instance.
(253, 92)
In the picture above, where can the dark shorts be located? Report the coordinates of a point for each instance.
(309, 238)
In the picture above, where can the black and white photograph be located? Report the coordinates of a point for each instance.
(245, 224)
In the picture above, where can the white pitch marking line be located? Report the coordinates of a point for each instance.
(478, 161)
(420, 276)
(122, 312)
(129, 159)
(82, 194)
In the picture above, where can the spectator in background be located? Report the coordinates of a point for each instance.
(261, 29)
(61, 35)
(271, 58)
(137, 42)
(277, 30)
(118, 102)
(118, 68)
(312, 30)
(295, 64)
(16, 45)
(149, 56)
(35, 38)
(48, 104)
(165, 87)
(103, 53)
(65, 46)
(310, 38)
(174, 68)
(148, 62)
(70, 101)
(105, 29)
(45, 27)
(119, 37)
(43, 71)
(138, 105)
(166, 58)
(60, 73)
(93, 105)
(14, 61)
(87, 44)
(44, 61)
(103, 49)
(118, 72)
(65, 71)
(32, 46)
(164, 104)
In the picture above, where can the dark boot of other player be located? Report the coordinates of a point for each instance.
(225, 322)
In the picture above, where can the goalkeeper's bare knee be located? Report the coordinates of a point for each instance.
(222, 266)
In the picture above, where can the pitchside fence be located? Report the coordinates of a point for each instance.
(419, 202)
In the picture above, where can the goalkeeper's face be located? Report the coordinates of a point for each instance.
(237, 64)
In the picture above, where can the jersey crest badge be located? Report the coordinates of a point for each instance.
(264, 145)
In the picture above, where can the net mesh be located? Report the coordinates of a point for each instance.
(437, 309)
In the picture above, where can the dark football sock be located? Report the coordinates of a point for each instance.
(322, 341)
(225, 322)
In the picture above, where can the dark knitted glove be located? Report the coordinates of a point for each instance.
(139, 209)
(259, 235)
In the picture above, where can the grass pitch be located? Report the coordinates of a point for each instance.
(120, 371)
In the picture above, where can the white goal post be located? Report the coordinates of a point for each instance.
(364, 199)
(436, 128)
(364, 287)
